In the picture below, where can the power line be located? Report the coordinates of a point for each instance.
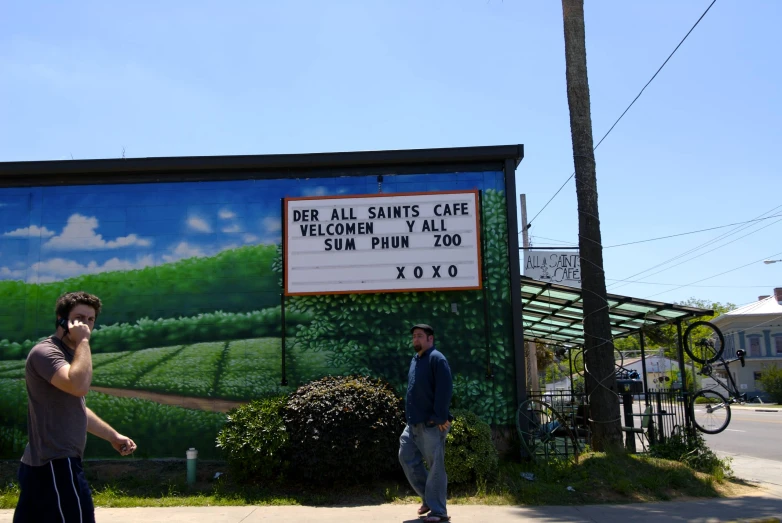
(697, 248)
(700, 286)
(574, 244)
(691, 232)
(714, 249)
(714, 276)
(628, 107)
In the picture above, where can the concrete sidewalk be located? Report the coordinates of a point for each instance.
(719, 510)
(765, 503)
(764, 472)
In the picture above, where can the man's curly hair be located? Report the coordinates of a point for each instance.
(68, 301)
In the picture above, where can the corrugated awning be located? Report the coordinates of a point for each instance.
(554, 313)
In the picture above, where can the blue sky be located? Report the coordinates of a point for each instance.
(195, 78)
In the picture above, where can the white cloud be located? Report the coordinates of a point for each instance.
(182, 251)
(316, 191)
(225, 214)
(231, 229)
(272, 224)
(32, 231)
(250, 238)
(79, 234)
(198, 224)
(9, 274)
(60, 268)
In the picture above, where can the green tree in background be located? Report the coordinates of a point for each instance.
(771, 379)
(666, 336)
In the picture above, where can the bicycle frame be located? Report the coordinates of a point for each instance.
(733, 390)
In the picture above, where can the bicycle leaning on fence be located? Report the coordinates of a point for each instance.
(710, 409)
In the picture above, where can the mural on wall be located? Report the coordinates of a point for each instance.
(190, 278)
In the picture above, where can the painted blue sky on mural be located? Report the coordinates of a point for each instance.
(54, 233)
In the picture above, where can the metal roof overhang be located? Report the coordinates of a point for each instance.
(554, 313)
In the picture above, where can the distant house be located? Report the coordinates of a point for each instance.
(757, 329)
(661, 372)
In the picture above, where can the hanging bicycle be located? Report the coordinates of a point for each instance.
(710, 409)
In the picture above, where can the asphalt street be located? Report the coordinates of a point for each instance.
(750, 433)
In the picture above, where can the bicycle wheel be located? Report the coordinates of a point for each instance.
(704, 342)
(579, 365)
(619, 359)
(544, 432)
(710, 411)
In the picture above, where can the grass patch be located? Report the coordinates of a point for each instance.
(597, 478)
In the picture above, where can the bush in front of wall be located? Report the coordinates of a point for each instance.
(344, 429)
(255, 441)
(470, 455)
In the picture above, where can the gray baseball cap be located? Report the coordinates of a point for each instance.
(424, 327)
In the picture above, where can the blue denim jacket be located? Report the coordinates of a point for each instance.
(429, 389)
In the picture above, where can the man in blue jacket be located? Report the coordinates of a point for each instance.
(429, 390)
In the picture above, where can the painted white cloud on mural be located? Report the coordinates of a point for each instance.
(250, 238)
(32, 231)
(271, 224)
(10, 274)
(231, 229)
(225, 214)
(199, 224)
(316, 191)
(59, 268)
(183, 250)
(79, 235)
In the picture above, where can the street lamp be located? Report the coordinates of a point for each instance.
(771, 261)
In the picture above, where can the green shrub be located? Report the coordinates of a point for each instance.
(469, 453)
(771, 379)
(691, 449)
(254, 439)
(344, 429)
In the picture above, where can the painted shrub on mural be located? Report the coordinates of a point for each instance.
(189, 277)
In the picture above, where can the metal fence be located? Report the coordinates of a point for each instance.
(669, 412)
(647, 419)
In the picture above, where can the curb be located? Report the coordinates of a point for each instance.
(767, 410)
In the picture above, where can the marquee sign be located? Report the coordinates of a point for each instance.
(382, 243)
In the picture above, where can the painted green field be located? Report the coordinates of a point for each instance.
(125, 372)
(12, 369)
(158, 430)
(239, 370)
(190, 372)
(236, 370)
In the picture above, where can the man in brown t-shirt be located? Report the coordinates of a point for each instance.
(58, 374)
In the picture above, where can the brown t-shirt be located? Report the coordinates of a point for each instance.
(56, 420)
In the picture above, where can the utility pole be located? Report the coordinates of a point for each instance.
(598, 346)
(533, 383)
